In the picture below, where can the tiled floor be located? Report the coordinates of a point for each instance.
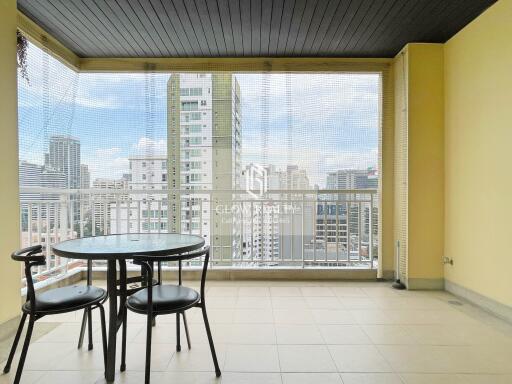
(298, 333)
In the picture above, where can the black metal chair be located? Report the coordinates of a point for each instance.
(168, 299)
(135, 283)
(51, 302)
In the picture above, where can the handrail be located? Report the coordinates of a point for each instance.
(101, 191)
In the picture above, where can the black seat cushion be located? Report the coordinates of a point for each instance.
(61, 299)
(166, 298)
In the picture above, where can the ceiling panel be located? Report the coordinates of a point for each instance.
(245, 28)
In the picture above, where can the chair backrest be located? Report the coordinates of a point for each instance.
(31, 256)
(147, 264)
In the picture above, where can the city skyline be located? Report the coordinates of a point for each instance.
(331, 120)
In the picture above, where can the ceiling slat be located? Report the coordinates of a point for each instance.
(251, 28)
(172, 44)
(275, 26)
(227, 27)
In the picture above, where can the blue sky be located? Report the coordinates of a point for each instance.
(331, 120)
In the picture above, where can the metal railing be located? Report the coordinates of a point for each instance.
(280, 228)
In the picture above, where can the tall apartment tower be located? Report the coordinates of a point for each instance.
(64, 157)
(204, 145)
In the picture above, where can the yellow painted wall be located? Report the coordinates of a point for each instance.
(478, 152)
(426, 163)
(9, 208)
(421, 110)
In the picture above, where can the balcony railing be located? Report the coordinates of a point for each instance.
(280, 228)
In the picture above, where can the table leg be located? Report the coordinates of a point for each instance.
(112, 321)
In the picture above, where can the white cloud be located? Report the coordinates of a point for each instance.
(147, 146)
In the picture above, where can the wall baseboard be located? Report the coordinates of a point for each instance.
(9, 327)
(492, 306)
(265, 274)
(425, 284)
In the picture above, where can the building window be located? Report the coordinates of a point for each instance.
(164, 176)
(189, 106)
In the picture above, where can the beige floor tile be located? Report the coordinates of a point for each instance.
(371, 316)
(69, 333)
(279, 302)
(250, 378)
(437, 359)
(389, 334)
(429, 378)
(298, 334)
(428, 316)
(370, 378)
(292, 332)
(311, 378)
(357, 303)
(343, 334)
(305, 358)
(323, 302)
(132, 377)
(316, 291)
(254, 302)
(67, 377)
(254, 291)
(228, 302)
(252, 358)
(285, 291)
(358, 358)
(293, 316)
(197, 359)
(222, 291)
(252, 334)
(348, 292)
(215, 316)
(188, 378)
(333, 316)
(28, 377)
(253, 316)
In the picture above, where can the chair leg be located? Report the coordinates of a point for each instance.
(149, 327)
(186, 329)
(210, 340)
(24, 351)
(89, 319)
(82, 329)
(103, 334)
(178, 341)
(123, 347)
(7, 367)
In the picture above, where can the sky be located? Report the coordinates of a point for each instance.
(320, 122)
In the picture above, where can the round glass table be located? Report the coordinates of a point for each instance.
(119, 248)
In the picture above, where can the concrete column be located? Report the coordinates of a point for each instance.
(10, 271)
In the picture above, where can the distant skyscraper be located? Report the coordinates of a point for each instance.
(29, 176)
(204, 144)
(85, 177)
(64, 157)
(352, 179)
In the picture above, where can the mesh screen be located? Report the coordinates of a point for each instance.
(270, 168)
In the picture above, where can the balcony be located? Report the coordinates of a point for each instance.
(347, 162)
(284, 229)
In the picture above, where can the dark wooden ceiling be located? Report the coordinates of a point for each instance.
(240, 28)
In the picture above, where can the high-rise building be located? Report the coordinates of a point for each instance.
(85, 177)
(352, 179)
(102, 203)
(347, 223)
(204, 145)
(270, 228)
(64, 157)
(144, 211)
(29, 176)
